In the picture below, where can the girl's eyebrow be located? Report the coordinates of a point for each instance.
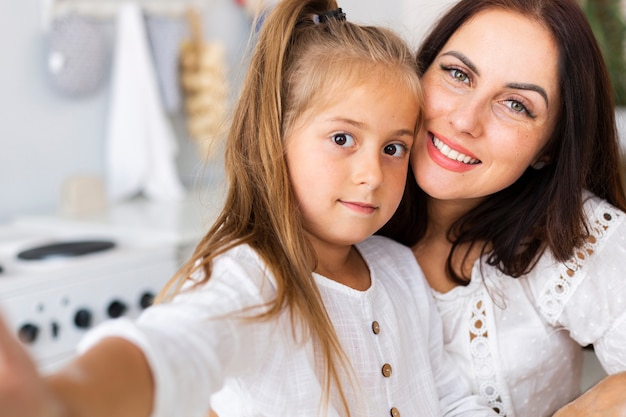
(399, 132)
(520, 86)
(349, 121)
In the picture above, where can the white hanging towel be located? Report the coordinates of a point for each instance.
(141, 147)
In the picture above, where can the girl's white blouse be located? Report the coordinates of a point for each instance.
(519, 341)
(391, 333)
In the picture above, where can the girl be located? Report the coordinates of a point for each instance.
(285, 303)
(518, 220)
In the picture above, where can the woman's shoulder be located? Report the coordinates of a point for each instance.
(605, 229)
(555, 283)
(605, 225)
(599, 211)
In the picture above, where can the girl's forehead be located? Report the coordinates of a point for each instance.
(335, 87)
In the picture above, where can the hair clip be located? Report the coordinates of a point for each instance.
(337, 14)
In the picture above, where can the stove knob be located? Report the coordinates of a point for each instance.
(28, 333)
(55, 328)
(146, 300)
(82, 318)
(116, 309)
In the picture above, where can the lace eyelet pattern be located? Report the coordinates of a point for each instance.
(482, 358)
(559, 288)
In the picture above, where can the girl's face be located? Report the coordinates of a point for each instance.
(491, 105)
(348, 161)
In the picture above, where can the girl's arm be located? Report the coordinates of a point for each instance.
(111, 379)
(605, 399)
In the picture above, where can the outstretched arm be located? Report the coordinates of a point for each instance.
(111, 379)
(606, 399)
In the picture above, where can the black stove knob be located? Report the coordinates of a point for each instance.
(28, 333)
(146, 299)
(82, 318)
(116, 309)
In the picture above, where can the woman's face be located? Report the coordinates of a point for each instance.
(491, 106)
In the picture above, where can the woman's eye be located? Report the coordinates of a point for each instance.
(458, 75)
(517, 107)
(395, 149)
(343, 139)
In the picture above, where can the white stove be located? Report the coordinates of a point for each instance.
(51, 302)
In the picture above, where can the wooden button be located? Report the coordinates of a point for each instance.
(375, 327)
(386, 370)
(394, 412)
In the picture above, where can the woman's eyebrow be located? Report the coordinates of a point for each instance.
(520, 86)
(531, 87)
(463, 59)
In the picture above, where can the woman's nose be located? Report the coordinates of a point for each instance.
(467, 115)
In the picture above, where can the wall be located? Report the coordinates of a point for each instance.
(46, 137)
(411, 18)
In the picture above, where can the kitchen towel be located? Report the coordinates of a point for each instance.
(140, 146)
(165, 35)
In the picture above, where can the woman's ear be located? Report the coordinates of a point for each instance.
(541, 162)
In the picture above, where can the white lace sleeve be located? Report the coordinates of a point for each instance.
(587, 294)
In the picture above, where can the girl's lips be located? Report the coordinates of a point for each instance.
(450, 159)
(362, 208)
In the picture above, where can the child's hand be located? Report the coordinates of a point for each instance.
(606, 399)
(23, 392)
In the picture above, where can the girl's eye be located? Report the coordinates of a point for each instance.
(395, 149)
(343, 139)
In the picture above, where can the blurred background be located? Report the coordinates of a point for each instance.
(65, 105)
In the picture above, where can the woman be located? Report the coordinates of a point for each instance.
(517, 218)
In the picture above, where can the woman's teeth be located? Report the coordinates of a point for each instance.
(452, 154)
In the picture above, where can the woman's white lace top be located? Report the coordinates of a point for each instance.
(519, 340)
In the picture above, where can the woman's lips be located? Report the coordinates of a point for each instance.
(453, 154)
(448, 158)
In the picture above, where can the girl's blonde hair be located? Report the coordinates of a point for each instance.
(299, 62)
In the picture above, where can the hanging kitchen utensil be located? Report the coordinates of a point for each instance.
(204, 85)
(77, 55)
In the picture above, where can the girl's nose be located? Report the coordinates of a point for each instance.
(368, 170)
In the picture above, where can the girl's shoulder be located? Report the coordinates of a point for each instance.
(241, 253)
(396, 259)
(386, 248)
(240, 263)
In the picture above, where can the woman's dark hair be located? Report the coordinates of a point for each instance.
(543, 209)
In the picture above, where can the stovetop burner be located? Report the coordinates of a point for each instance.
(65, 249)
